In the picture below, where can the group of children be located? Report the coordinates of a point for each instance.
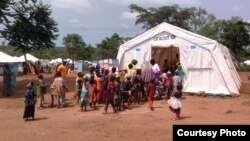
(108, 88)
(103, 87)
(96, 89)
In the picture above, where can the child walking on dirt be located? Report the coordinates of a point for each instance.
(151, 93)
(41, 90)
(175, 102)
(79, 83)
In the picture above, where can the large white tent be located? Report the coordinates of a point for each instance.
(5, 58)
(29, 58)
(207, 64)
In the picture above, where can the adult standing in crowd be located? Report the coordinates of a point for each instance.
(7, 88)
(13, 73)
(156, 70)
(180, 72)
(131, 72)
(133, 63)
(147, 75)
(147, 72)
(176, 81)
(63, 69)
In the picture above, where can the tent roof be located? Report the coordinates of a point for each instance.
(58, 60)
(202, 41)
(5, 58)
(29, 58)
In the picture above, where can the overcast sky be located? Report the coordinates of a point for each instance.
(95, 20)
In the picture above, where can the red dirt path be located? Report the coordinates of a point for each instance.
(140, 124)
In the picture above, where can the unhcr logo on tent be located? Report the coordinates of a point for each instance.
(164, 36)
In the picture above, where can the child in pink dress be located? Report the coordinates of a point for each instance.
(175, 102)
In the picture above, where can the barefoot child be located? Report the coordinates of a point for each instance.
(30, 101)
(42, 88)
(126, 91)
(151, 93)
(84, 94)
(118, 97)
(60, 89)
(175, 102)
(92, 93)
(110, 93)
(79, 83)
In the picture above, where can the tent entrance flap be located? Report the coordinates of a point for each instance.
(170, 55)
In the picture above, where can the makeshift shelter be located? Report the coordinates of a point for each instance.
(5, 58)
(57, 61)
(207, 64)
(29, 58)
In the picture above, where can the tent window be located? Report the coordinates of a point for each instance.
(199, 58)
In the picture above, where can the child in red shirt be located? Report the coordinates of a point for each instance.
(151, 93)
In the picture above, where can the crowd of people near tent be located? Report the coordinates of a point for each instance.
(120, 89)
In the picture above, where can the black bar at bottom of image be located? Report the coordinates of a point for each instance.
(211, 132)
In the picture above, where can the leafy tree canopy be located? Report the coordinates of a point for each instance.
(235, 35)
(76, 47)
(32, 27)
(108, 48)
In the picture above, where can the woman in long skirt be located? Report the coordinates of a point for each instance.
(30, 101)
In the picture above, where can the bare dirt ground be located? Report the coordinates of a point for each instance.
(140, 124)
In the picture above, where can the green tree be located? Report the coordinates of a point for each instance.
(200, 18)
(153, 16)
(76, 47)
(33, 28)
(236, 35)
(89, 53)
(108, 48)
(5, 11)
(212, 30)
(51, 53)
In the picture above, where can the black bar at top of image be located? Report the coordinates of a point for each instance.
(211, 132)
